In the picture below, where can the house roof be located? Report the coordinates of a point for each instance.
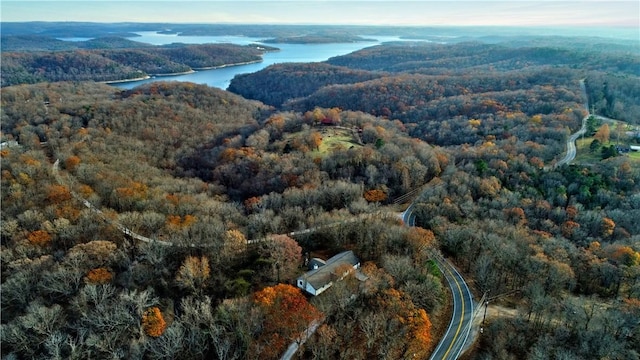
(316, 262)
(323, 275)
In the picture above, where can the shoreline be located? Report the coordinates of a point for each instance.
(174, 74)
(124, 80)
(228, 65)
(194, 70)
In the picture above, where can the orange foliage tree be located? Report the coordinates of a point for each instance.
(515, 215)
(375, 195)
(568, 227)
(39, 237)
(99, 276)
(287, 314)
(622, 254)
(252, 204)
(416, 321)
(315, 139)
(420, 334)
(178, 222)
(71, 162)
(58, 193)
(153, 322)
(420, 239)
(603, 134)
(607, 227)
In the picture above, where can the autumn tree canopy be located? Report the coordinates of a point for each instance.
(287, 314)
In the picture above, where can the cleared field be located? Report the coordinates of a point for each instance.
(334, 139)
(635, 156)
(585, 156)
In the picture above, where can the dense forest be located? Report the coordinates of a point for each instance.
(114, 59)
(165, 221)
(538, 77)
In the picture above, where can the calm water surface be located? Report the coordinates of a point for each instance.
(221, 78)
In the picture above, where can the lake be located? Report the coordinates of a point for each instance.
(221, 77)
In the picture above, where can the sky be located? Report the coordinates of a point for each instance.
(583, 13)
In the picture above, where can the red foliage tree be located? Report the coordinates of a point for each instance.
(285, 253)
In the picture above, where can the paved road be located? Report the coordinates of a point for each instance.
(291, 350)
(454, 341)
(571, 143)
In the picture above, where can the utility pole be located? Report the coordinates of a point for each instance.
(486, 304)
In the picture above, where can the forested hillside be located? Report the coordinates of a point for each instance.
(110, 62)
(501, 211)
(133, 154)
(455, 74)
(171, 220)
(275, 84)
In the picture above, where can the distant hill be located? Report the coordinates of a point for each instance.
(316, 39)
(34, 43)
(418, 81)
(273, 84)
(46, 43)
(113, 58)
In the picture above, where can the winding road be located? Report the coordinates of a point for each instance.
(571, 143)
(456, 338)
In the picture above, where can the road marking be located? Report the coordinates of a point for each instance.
(455, 336)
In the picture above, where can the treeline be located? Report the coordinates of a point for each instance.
(435, 58)
(119, 64)
(12, 43)
(614, 96)
(321, 38)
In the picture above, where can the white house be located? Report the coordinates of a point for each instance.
(321, 278)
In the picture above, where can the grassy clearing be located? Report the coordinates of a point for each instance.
(585, 156)
(334, 139)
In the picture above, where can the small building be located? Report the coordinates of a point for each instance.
(323, 276)
(622, 149)
(327, 122)
(8, 144)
